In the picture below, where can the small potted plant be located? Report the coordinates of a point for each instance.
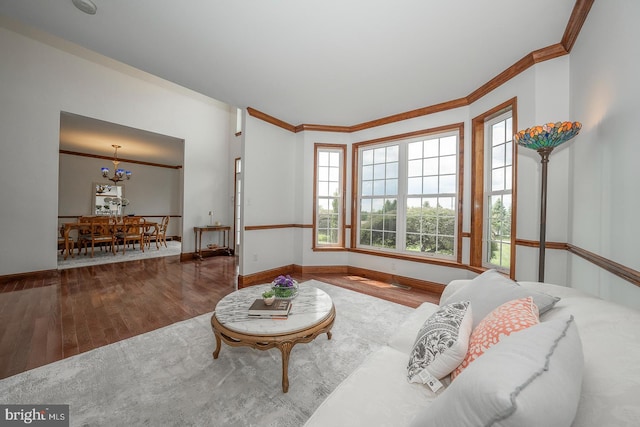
(269, 296)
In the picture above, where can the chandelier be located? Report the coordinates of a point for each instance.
(119, 174)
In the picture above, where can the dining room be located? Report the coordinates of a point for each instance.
(119, 193)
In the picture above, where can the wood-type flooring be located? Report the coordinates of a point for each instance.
(50, 316)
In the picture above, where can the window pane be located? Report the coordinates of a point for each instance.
(430, 185)
(498, 133)
(367, 173)
(367, 157)
(430, 166)
(393, 153)
(378, 187)
(448, 145)
(334, 174)
(367, 188)
(334, 159)
(392, 187)
(323, 173)
(379, 171)
(334, 189)
(414, 150)
(448, 165)
(323, 189)
(415, 168)
(447, 184)
(392, 170)
(431, 148)
(447, 203)
(497, 158)
(323, 158)
(379, 155)
(497, 179)
(414, 202)
(415, 185)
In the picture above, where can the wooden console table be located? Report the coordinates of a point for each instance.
(224, 229)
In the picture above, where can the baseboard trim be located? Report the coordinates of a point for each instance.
(268, 275)
(41, 274)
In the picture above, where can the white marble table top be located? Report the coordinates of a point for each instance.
(310, 307)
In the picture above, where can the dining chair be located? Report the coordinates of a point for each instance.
(160, 235)
(99, 232)
(131, 230)
(62, 241)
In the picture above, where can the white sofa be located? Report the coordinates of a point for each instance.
(377, 393)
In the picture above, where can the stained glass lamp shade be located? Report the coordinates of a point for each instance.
(544, 139)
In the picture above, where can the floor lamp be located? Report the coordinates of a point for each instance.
(544, 139)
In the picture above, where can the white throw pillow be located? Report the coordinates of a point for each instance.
(441, 344)
(491, 289)
(530, 378)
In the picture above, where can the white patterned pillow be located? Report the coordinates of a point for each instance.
(441, 344)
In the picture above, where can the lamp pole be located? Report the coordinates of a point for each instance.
(544, 154)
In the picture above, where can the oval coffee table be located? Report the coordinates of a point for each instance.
(312, 313)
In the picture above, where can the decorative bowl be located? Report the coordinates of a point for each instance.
(285, 287)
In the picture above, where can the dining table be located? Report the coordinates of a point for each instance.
(69, 226)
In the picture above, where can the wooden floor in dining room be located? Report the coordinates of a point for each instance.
(50, 316)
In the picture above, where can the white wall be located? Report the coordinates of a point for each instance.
(604, 195)
(271, 167)
(534, 89)
(594, 211)
(37, 82)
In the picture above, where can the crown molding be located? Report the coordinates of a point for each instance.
(576, 21)
(122, 160)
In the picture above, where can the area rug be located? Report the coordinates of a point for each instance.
(105, 257)
(168, 377)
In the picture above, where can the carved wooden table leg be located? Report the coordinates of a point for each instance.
(285, 349)
(218, 345)
(328, 335)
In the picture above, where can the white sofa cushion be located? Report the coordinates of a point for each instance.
(441, 344)
(491, 289)
(377, 394)
(530, 378)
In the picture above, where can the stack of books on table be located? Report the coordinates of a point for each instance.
(278, 310)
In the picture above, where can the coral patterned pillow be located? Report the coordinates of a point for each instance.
(510, 317)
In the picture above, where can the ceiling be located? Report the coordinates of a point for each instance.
(328, 62)
(91, 136)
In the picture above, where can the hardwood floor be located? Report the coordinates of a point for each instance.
(49, 317)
